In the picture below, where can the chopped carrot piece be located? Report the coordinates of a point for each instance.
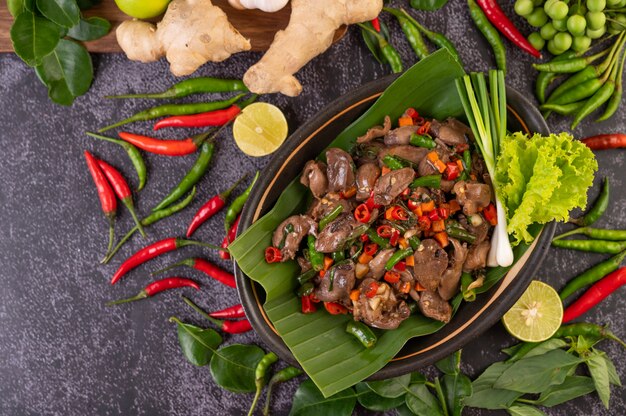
(389, 213)
(418, 210)
(327, 262)
(405, 287)
(403, 242)
(322, 273)
(405, 121)
(349, 193)
(454, 206)
(442, 239)
(459, 163)
(410, 260)
(432, 156)
(419, 288)
(428, 206)
(354, 295)
(438, 226)
(441, 167)
(365, 258)
(385, 170)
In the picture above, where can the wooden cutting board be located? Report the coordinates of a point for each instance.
(257, 26)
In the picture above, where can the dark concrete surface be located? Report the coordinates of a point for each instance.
(62, 352)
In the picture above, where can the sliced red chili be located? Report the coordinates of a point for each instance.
(362, 213)
(411, 112)
(272, 255)
(335, 308)
(490, 214)
(395, 237)
(370, 249)
(461, 147)
(307, 304)
(400, 266)
(434, 215)
(452, 171)
(424, 222)
(413, 204)
(372, 289)
(384, 231)
(399, 214)
(370, 202)
(364, 238)
(444, 212)
(392, 277)
(405, 194)
(424, 128)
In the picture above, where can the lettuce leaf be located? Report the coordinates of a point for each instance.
(542, 179)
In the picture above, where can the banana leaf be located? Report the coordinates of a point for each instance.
(331, 357)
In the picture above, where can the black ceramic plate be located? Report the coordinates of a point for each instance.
(471, 319)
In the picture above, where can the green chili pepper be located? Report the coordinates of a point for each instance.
(338, 256)
(413, 36)
(191, 178)
(616, 98)
(192, 86)
(467, 159)
(422, 141)
(306, 276)
(600, 97)
(414, 242)
(375, 238)
(578, 92)
(306, 289)
(315, 257)
(592, 275)
(174, 110)
(283, 375)
(133, 154)
(358, 251)
(362, 332)
(388, 52)
(260, 377)
(397, 257)
(455, 230)
(330, 217)
(593, 246)
(286, 230)
(563, 109)
(237, 205)
(469, 295)
(151, 219)
(597, 233)
(569, 66)
(429, 181)
(392, 162)
(490, 33)
(599, 207)
(544, 79)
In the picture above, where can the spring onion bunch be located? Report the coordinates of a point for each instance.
(486, 112)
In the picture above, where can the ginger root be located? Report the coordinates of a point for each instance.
(309, 33)
(191, 33)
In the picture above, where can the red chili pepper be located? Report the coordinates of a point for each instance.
(490, 214)
(399, 214)
(433, 215)
(105, 193)
(273, 255)
(443, 212)
(460, 148)
(122, 190)
(210, 118)
(452, 171)
(364, 238)
(384, 231)
(362, 213)
(210, 208)
(370, 249)
(400, 266)
(391, 277)
(411, 112)
(235, 311)
(419, 120)
(376, 24)
(595, 294)
(230, 327)
(307, 304)
(152, 251)
(424, 222)
(413, 204)
(335, 308)
(229, 238)
(395, 237)
(157, 287)
(372, 289)
(424, 128)
(205, 267)
(370, 202)
(497, 18)
(606, 141)
(165, 147)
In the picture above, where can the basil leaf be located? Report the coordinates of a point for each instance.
(91, 28)
(62, 12)
(535, 374)
(584, 344)
(428, 5)
(600, 375)
(451, 364)
(309, 401)
(421, 401)
(233, 367)
(613, 376)
(372, 44)
(87, 4)
(524, 410)
(456, 387)
(67, 72)
(197, 344)
(510, 351)
(372, 401)
(485, 396)
(418, 377)
(404, 411)
(34, 37)
(16, 7)
(571, 388)
(392, 387)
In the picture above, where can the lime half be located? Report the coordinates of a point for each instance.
(260, 129)
(537, 315)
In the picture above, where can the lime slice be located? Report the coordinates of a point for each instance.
(537, 315)
(260, 129)
(143, 9)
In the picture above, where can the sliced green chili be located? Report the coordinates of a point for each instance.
(397, 257)
(237, 205)
(392, 163)
(306, 276)
(306, 289)
(420, 140)
(414, 242)
(375, 238)
(455, 230)
(338, 256)
(599, 207)
(330, 217)
(466, 280)
(428, 181)
(315, 257)
(362, 332)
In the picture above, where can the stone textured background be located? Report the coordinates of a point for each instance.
(63, 352)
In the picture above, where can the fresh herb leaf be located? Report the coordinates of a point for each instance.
(428, 5)
(90, 28)
(392, 387)
(67, 72)
(197, 344)
(513, 349)
(417, 377)
(613, 376)
(571, 388)
(421, 401)
(524, 410)
(451, 364)
(372, 44)
(600, 375)
(64, 13)
(34, 37)
(233, 367)
(485, 396)
(309, 401)
(540, 348)
(536, 374)
(456, 387)
(404, 411)
(16, 7)
(87, 4)
(372, 401)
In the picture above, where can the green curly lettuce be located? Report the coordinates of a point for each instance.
(542, 179)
